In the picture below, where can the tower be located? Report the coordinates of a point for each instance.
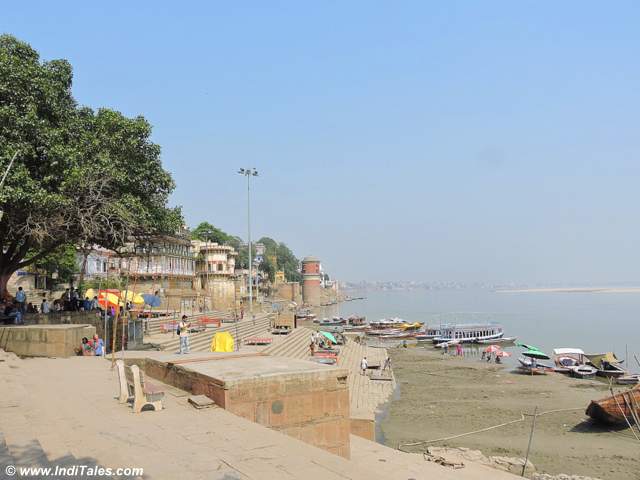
(311, 281)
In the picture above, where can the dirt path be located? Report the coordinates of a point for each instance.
(441, 397)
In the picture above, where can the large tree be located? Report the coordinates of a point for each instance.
(285, 259)
(80, 177)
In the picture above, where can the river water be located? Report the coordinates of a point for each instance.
(595, 322)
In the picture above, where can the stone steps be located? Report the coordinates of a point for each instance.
(201, 342)
(296, 345)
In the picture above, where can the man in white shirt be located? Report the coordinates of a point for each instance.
(363, 365)
(184, 335)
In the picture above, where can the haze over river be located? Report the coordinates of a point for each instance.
(596, 322)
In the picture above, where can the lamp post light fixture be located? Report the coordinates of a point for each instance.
(249, 172)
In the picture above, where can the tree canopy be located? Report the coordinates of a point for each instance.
(80, 176)
(285, 258)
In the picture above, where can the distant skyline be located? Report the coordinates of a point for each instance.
(486, 141)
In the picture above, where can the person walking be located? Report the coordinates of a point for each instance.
(21, 300)
(184, 335)
(66, 300)
(387, 364)
(363, 366)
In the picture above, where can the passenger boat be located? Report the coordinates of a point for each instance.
(607, 364)
(567, 358)
(428, 334)
(583, 371)
(332, 322)
(394, 322)
(356, 321)
(470, 333)
(305, 313)
(617, 409)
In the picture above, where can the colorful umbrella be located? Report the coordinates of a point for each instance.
(492, 349)
(151, 300)
(331, 338)
(106, 299)
(536, 354)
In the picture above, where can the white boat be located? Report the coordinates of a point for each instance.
(567, 358)
(470, 332)
(583, 371)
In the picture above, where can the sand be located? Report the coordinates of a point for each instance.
(444, 396)
(572, 290)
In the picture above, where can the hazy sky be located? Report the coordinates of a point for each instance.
(474, 141)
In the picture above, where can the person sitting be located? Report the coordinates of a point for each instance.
(88, 348)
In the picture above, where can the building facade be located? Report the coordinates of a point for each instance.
(215, 270)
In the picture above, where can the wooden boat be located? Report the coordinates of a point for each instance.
(527, 366)
(497, 340)
(583, 371)
(628, 379)
(607, 364)
(613, 410)
(567, 358)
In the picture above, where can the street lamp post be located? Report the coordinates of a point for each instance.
(249, 172)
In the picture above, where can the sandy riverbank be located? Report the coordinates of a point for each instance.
(572, 290)
(444, 397)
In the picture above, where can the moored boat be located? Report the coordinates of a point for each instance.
(617, 409)
(502, 340)
(469, 332)
(607, 364)
(583, 371)
(628, 379)
(567, 358)
(533, 368)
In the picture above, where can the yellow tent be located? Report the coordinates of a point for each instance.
(222, 342)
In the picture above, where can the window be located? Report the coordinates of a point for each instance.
(220, 267)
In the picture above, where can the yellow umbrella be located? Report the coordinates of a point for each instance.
(137, 299)
(91, 293)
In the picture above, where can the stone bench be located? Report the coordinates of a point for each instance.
(133, 386)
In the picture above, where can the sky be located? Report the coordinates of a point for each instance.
(492, 141)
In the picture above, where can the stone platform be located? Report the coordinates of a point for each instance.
(44, 340)
(303, 399)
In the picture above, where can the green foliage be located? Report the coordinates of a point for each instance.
(285, 258)
(208, 233)
(80, 177)
(102, 283)
(268, 269)
(61, 260)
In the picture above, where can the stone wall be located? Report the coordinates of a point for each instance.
(310, 406)
(44, 340)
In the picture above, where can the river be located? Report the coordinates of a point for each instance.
(595, 322)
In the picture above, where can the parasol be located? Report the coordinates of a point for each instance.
(331, 338)
(492, 349)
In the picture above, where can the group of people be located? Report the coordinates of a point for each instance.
(92, 347)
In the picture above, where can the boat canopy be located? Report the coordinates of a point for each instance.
(568, 351)
(597, 359)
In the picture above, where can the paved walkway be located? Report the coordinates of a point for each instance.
(61, 411)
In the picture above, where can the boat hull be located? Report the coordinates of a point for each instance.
(613, 410)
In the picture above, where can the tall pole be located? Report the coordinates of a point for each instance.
(249, 238)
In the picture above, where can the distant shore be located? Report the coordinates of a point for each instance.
(571, 290)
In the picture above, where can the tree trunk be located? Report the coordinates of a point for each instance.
(4, 280)
(83, 268)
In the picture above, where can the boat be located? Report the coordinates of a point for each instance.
(356, 321)
(304, 313)
(567, 358)
(335, 321)
(583, 371)
(428, 334)
(469, 332)
(527, 366)
(394, 322)
(618, 409)
(628, 379)
(607, 364)
(498, 340)
(448, 344)
(396, 335)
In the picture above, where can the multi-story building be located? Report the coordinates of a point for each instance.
(215, 267)
(164, 264)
